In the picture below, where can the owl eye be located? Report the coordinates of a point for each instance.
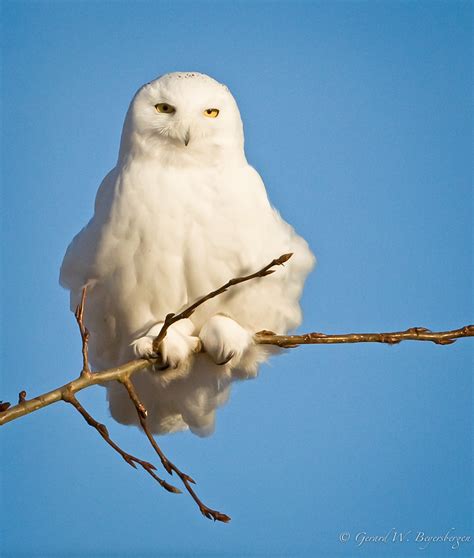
(211, 112)
(165, 108)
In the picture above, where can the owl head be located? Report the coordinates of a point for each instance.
(183, 114)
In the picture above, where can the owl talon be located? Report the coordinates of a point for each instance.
(162, 366)
(227, 359)
(175, 349)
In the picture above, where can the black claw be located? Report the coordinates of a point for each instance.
(226, 360)
(162, 366)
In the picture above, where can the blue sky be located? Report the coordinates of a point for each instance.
(358, 116)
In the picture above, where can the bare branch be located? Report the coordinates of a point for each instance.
(79, 314)
(124, 373)
(69, 397)
(392, 338)
(87, 379)
(75, 386)
(173, 318)
(167, 464)
(9, 413)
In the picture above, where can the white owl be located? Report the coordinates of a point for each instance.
(181, 213)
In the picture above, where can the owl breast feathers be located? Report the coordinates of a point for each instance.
(180, 214)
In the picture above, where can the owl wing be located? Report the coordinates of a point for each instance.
(79, 262)
(248, 234)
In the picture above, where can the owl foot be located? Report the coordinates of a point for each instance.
(224, 339)
(143, 347)
(176, 347)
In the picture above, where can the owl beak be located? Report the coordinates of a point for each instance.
(187, 137)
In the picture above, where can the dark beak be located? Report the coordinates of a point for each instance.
(187, 137)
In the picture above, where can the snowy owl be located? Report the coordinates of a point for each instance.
(181, 213)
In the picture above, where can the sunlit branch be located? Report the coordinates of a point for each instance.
(124, 373)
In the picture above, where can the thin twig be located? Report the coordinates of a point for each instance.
(79, 314)
(167, 464)
(391, 338)
(187, 312)
(55, 395)
(9, 413)
(124, 373)
(69, 397)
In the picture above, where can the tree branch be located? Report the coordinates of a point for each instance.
(167, 464)
(79, 315)
(186, 313)
(124, 373)
(102, 430)
(392, 338)
(10, 413)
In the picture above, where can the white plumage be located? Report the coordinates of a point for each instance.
(180, 214)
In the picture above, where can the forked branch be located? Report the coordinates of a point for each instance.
(124, 373)
(187, 312)
(9, 413)
(167, 464)
(25, 407)
(102, 430)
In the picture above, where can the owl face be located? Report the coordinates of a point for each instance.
(186, 111)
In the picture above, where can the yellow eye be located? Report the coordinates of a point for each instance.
(211, 113)
(165, 108)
